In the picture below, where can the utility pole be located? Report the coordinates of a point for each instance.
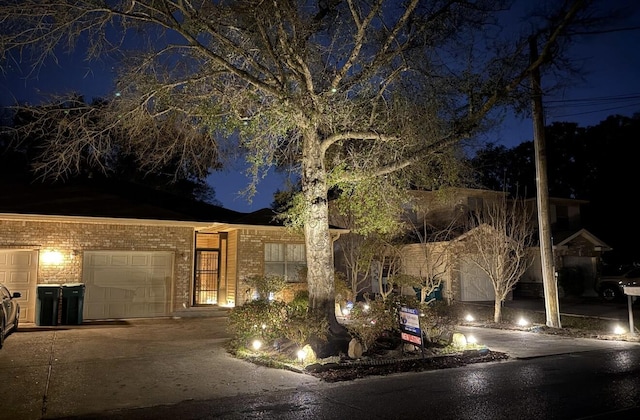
(549, 281)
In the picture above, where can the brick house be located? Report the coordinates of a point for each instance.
(138, 253)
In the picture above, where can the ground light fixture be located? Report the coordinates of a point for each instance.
(523, 322)
(302, 354)
(469, 318)
(618, 329)
(471, 340)
(256, 344)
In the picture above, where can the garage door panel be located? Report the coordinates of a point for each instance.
(474, 283)
(19, 271)
(127, 284)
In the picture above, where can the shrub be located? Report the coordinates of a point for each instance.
(257, 319)
(299, 305)
(369, 324)
(267, 285)
(305, 329)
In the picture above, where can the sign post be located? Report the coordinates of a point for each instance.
(631, 291)
(410, 327)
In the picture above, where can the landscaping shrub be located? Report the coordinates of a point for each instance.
(257, 319)
(266, 286)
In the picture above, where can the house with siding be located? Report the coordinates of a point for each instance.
(573, 246)
(136, 252)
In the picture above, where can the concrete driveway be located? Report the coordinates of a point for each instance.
(74, 370)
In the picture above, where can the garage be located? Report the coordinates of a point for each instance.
(127, 284)
(475, 285)
(19, 272)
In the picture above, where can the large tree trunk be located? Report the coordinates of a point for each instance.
(320, 270)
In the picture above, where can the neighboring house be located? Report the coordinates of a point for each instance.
(139, 253)
(448, 210)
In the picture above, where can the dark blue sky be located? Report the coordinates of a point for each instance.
(610, 85)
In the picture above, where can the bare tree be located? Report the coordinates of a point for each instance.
(340, 91)
(428, 261)
(498, 243)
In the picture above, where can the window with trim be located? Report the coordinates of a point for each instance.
(287, 260)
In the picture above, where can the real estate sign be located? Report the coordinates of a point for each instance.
(410, 325)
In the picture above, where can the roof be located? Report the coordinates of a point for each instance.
(107, 199)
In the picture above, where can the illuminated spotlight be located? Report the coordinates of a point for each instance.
(302, 354)
(523, 322)
(256, 344)
(619, 330)
(346, 311)
(469, 318)
(471, 340)
(366, 307)
(264, 326)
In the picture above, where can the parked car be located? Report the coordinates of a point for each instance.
(9, 312)
(611, 287)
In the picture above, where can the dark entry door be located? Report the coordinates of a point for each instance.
(207, 278)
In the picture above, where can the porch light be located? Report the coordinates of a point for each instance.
(469, 318)
(523, 322)
(617, 329)
(256, 344)
(51, 258)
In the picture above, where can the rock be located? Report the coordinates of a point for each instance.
(458, 340)
(355, 349)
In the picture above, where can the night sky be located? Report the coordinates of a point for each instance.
(611, 85)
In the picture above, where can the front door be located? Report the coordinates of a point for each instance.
(207, 278)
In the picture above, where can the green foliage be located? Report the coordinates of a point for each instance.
(266, 285)
(299, 305)
(257, 319)
(341, 288)
(372, 320)
(306, 329)
(373, 206)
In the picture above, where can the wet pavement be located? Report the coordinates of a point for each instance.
(52, 372)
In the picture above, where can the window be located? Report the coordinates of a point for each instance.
(286, 260)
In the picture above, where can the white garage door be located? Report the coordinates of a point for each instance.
(126, 284)
(474, 283)
(19, 272)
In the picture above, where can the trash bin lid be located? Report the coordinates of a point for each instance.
(73, 285)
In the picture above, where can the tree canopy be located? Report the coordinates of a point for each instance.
(341, 92)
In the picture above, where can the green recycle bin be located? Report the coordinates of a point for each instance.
(48, 298)
(72, 303)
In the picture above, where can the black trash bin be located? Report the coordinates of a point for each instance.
(72, 303)
(48, 299)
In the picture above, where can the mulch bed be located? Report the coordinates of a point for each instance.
(336, 372)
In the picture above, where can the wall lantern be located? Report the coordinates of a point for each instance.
(51, 258)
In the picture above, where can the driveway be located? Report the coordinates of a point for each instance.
(51, 372)
(67, 371)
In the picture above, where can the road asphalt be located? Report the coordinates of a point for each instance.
(67, 371)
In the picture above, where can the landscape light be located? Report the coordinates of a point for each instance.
(619, 330)
(471, 340)
(366, 307)
(469, 318)
(256, 344)
(346, 311)
(523, 322)
(302, 354)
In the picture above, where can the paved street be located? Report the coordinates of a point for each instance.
(65, 371)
